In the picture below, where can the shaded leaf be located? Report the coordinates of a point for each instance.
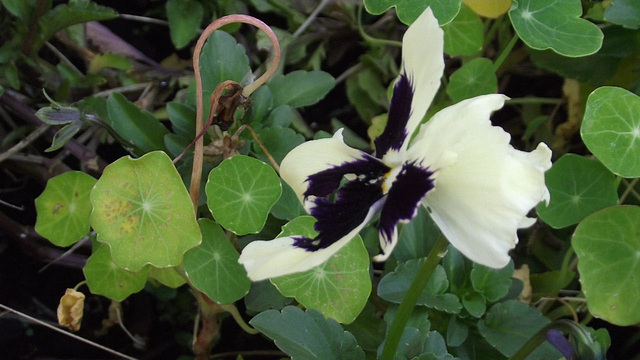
(474, 78)
(300, 88)
(409, 10)
(184, 17)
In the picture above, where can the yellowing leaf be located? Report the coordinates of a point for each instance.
(70, 309)
(489, 8)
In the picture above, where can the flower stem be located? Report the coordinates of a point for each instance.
(505, 52)
(411, 298)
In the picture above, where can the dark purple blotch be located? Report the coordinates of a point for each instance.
(327, 182)
(395, 132)
(406, 193)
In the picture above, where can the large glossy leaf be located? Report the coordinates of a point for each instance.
(63, 208)
(556, 25)
(241, 192)
(106, 278)
(300, 88)
(139, 127)
(611, 129)
(213, 266)
(184, 17)
(338, 288)
(143, 211)
(578, 186)
(608, 246)
(409, 10)
(463, 35)
(307, 335)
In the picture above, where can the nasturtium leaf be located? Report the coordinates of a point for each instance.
(608, 247)
(409, 10)
(624, 12)
(339, 288)
(578, 186)
(213, 266)
(300, 88)
(307, 335)
(264, 296)
(508, 325)
(184, 17)
(138, 127)
(166, 276)
(142, 210)
(491, 9)
(464, 34)
(221, 59)
(241, 192)
(474, 78)
(279, 141)
(611, 129)
(106, 278)
(63, 208)
(288, 206)
(182, 118)
(556, 25)
(394, 286)
(493, 284)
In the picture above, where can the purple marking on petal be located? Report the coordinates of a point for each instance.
(557, 339)
(407, 191)
(395, 132)
(339, 218)
(326, 182)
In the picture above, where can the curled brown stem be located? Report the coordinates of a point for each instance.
(196, 173)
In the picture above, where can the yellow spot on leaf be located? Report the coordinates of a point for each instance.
(489, 8)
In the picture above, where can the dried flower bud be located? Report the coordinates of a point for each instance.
(70, 309)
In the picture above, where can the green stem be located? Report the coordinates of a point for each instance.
(411, 298)
(505, 52)
(534, 100)
(369, 38)
(233, 310)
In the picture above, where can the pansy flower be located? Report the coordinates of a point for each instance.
(475, 185)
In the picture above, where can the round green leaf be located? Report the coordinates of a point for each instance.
(338, 288)
(556, 25)
(63, 208)
(608, 246)
(213, 266)
(143, 211)
(106, 278)
(167, 276)
(464, 34)
(409, 10)
(578, 186)
(241, 192)
(611, 129)
(474, 78)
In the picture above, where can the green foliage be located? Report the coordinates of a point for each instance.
(409, 10)
(213, 266)
(322, 338)
(556, 25)
(578, 187)
(300, 88)
(142, 210)
(474, 78)
(463, 35)
(184, 17)
(64, 208)
(338, 288)
(624, 12)
(611, 129)
(493, 284)
(608, 246)
(241, 192)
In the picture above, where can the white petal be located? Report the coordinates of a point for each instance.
(314, 156)
(422, 59)
(279, 257)
(483, 195)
